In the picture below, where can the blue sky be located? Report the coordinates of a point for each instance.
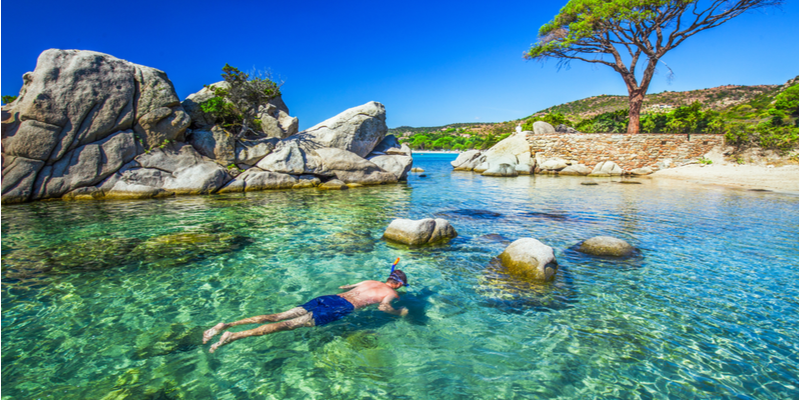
(430, 63)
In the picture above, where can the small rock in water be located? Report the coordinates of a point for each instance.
(419, 232)
(530, 258)
(630, 182)
(606, 246)
(589, 183)
(417, 169)
(333, 184)
(423, 176)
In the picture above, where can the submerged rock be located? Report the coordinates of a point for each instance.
(606, 246)
(530, 259)
(174, 249)
(419, 232)
(333, 184)
(69, 257)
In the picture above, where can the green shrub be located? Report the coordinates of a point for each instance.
(8, 99)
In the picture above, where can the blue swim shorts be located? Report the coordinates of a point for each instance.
(326, 309)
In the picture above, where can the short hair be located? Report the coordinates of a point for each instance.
(399, 276)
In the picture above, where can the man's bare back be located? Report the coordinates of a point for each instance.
(367, 293)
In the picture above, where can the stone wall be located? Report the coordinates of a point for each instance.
(629, 151)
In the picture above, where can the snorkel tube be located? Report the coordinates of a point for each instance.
(392, 272)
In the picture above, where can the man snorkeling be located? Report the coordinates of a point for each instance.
(320, 311)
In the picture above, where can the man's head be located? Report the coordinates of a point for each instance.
(397, 279)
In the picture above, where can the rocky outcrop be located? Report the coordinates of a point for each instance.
(466, 161)
(606, 168)
(87, 125)
(419, 232)
(606, 246)
(576, 169)
(57, 135)
(357, 130)
(543, 128)
(530, 259)
(642, 171)
(510, 157)
(350, 168)
(392, 157)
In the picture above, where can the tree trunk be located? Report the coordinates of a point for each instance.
(635, 100)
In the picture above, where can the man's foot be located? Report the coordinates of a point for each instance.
(207, 335)
(223, 340)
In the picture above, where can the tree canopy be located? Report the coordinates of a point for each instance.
(627, 34)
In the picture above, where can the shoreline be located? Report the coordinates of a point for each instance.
(435, 152)
(785, 179)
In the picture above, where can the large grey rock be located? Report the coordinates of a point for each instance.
(606, 168)
(215, 143)
(399, 165)
(192, 105)
(77, 97)
(160, 118)
(530, 259)
(250, 152)
(554, 164)
(501, 170)
(289, 157)
(357, 130)
(561, 128)
(525, 164)
(464, 159)
(333, 184)
(418, 232)
(19, 175)
(506, 151)
(167, 172)
(275, 122)
(69, 109)
(390, 146)
(258, 179)
(543, 128)
(350, 168)
(575, 169)
(472, 164)
(87, 165)
(606, 246)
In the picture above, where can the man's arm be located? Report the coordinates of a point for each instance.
(348, 287)
(386, 306)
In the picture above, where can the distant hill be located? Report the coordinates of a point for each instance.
(719, 98)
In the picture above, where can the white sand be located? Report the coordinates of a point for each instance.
(778, 179)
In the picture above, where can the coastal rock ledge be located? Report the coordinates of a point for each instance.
(87, 125)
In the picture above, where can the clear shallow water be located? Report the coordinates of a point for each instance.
(709, 310)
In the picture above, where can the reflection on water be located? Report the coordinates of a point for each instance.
(110, 299)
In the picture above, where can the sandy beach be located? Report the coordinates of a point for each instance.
(777, 179)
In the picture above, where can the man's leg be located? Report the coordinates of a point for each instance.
(260, 319)
(306, 320)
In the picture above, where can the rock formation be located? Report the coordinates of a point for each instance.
(606, 246)
(87, 125)
(530, 259)
(419, 232)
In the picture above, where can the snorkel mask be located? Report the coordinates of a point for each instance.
(393, 276)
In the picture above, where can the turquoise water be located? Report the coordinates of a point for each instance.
(108, 300)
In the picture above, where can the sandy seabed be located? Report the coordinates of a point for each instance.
(777, 179)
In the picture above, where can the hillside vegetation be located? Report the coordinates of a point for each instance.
(762, 115)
